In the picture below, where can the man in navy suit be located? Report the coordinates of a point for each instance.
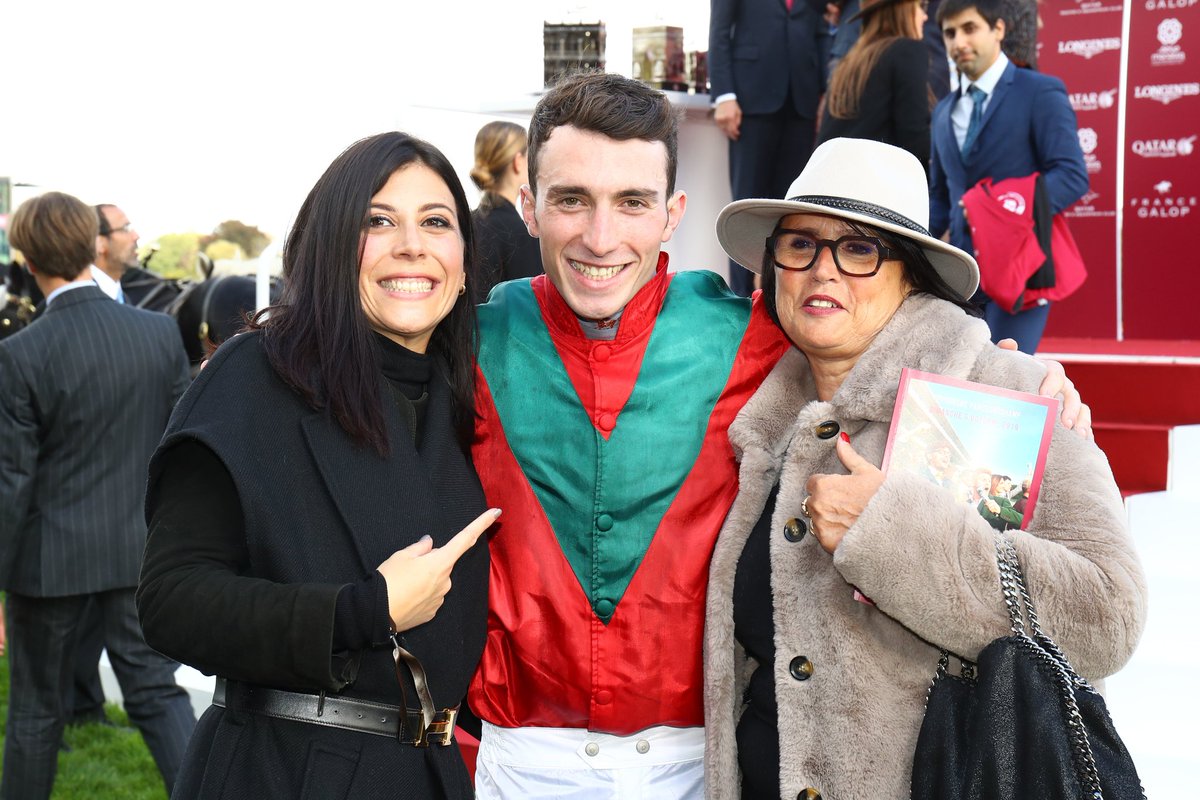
(766, 68)
(1002, 122)
(85, 394)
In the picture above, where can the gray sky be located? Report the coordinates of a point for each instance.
(188, 113)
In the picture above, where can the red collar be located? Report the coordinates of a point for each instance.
(636, 320)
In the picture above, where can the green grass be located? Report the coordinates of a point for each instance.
(103, 762)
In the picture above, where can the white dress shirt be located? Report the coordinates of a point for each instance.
(960, 116)
(107, 284)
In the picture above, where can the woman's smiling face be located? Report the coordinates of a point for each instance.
(411, 268)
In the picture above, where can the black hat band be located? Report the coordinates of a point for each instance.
(859, 207)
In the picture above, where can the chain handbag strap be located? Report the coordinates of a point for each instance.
(1020, 606)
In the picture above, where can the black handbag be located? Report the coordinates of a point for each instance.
(1019, 722)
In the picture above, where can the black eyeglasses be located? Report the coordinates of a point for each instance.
(855, 256)
(126, 228)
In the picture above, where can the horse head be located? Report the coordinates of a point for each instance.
(215, 309)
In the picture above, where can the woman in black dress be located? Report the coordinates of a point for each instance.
(505, 249)
(313, 499)
(880, 90)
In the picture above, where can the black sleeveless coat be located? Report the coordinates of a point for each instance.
(318, 512)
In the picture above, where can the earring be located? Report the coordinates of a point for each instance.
(462, 289)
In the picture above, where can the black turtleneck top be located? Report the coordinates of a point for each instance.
(362, 617)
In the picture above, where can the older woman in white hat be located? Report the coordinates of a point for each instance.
(833, 586)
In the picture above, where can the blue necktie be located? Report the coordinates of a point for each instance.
(977, 97)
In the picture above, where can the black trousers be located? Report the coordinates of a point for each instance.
(42, 644)
(769, 153)
(85, 698)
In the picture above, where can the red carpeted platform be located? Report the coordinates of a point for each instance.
(1138, 390)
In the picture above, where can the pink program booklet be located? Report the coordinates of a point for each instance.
(985, 445)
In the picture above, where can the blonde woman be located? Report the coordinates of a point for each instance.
(506, 250)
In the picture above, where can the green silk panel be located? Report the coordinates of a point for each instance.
(606, 498)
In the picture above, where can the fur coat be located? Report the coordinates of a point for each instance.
(926, 560)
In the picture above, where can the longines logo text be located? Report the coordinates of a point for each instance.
(1165, 93)
(1088, 48)
(1093, 101)
(1164, 148)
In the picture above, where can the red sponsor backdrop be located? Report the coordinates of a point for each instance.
(1080, 43)
(1160, 255)
(1083, 42)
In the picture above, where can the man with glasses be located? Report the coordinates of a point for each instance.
(116, 250)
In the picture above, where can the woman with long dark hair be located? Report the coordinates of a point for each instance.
(313, 500)
(880, 89)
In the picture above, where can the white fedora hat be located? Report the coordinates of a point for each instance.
(859, 180)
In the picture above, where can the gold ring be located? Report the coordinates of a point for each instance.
(804, 506)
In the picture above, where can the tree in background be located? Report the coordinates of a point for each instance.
(248, 237)
(223, 249)
(173, 256)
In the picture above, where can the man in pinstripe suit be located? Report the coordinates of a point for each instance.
(85, 393)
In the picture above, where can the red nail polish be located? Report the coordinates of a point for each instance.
(845, 437)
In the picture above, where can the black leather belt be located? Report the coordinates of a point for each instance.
(404, 725)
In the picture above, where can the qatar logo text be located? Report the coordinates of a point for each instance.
(1093, 101)
(1164, 148)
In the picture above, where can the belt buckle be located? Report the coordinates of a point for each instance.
(440, 731)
